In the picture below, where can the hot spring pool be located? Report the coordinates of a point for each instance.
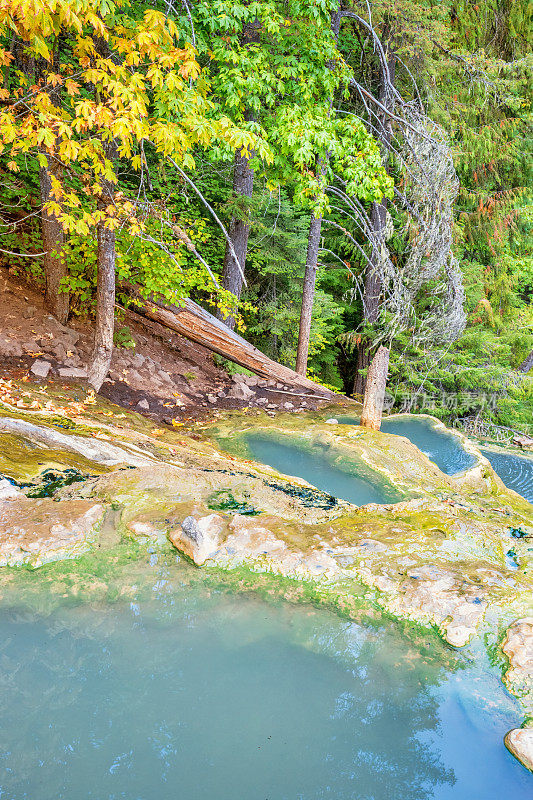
(515, 471)
(318, 470)
(183, 691)
(448, 453)
(441, 447)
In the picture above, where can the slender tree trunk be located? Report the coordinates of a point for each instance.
(51, 228)
(243, 185)
(105, 291)
(376, 383)
(239, 232)
(308, 294)
(53, 237)
(311, 263)
(378, 218)
(371, 299)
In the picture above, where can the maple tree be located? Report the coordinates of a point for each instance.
(121, 81)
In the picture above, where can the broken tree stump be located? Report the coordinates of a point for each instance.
(376, 382)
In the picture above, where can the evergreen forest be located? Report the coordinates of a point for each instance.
(325, 177)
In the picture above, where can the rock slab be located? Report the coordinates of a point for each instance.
(35, 532)
(519, 742)
(40, 368)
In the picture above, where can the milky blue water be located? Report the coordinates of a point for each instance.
(316, 468)
(516, 472)
(183, 692)
(441, 447)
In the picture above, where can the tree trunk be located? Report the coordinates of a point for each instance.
(243, 184)
(239, 232)
(53, 237)
(311, 264)
(105, 292)
(378, 218)
(52, 233)
(527, 363)
(376, 384)
(198, 325)
(308, 295)
(371, 300)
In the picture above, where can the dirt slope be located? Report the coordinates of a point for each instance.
(163, 376)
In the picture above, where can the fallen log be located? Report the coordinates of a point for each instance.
(198, 325)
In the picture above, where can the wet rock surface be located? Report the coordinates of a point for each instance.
(34, 532)
(518, 647)
(198, 538)
(519, 742)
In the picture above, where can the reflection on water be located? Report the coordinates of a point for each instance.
(186, 692)
(516, 472)
(317, 469)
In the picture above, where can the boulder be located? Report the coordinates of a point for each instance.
(519, 742)
(458, 635)
(72, 361)
(69, 336)
(249, 380)
(198, 538)
(31, 346)
(240, 392)
(134, 377)
(60, 350)
(143, 405)
(150, 365)
(40, 368)
(74, 336)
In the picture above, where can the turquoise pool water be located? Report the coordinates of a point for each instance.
(444, 449)
(447, 452)
(185, 692)
(318, 470)
(516, 472)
